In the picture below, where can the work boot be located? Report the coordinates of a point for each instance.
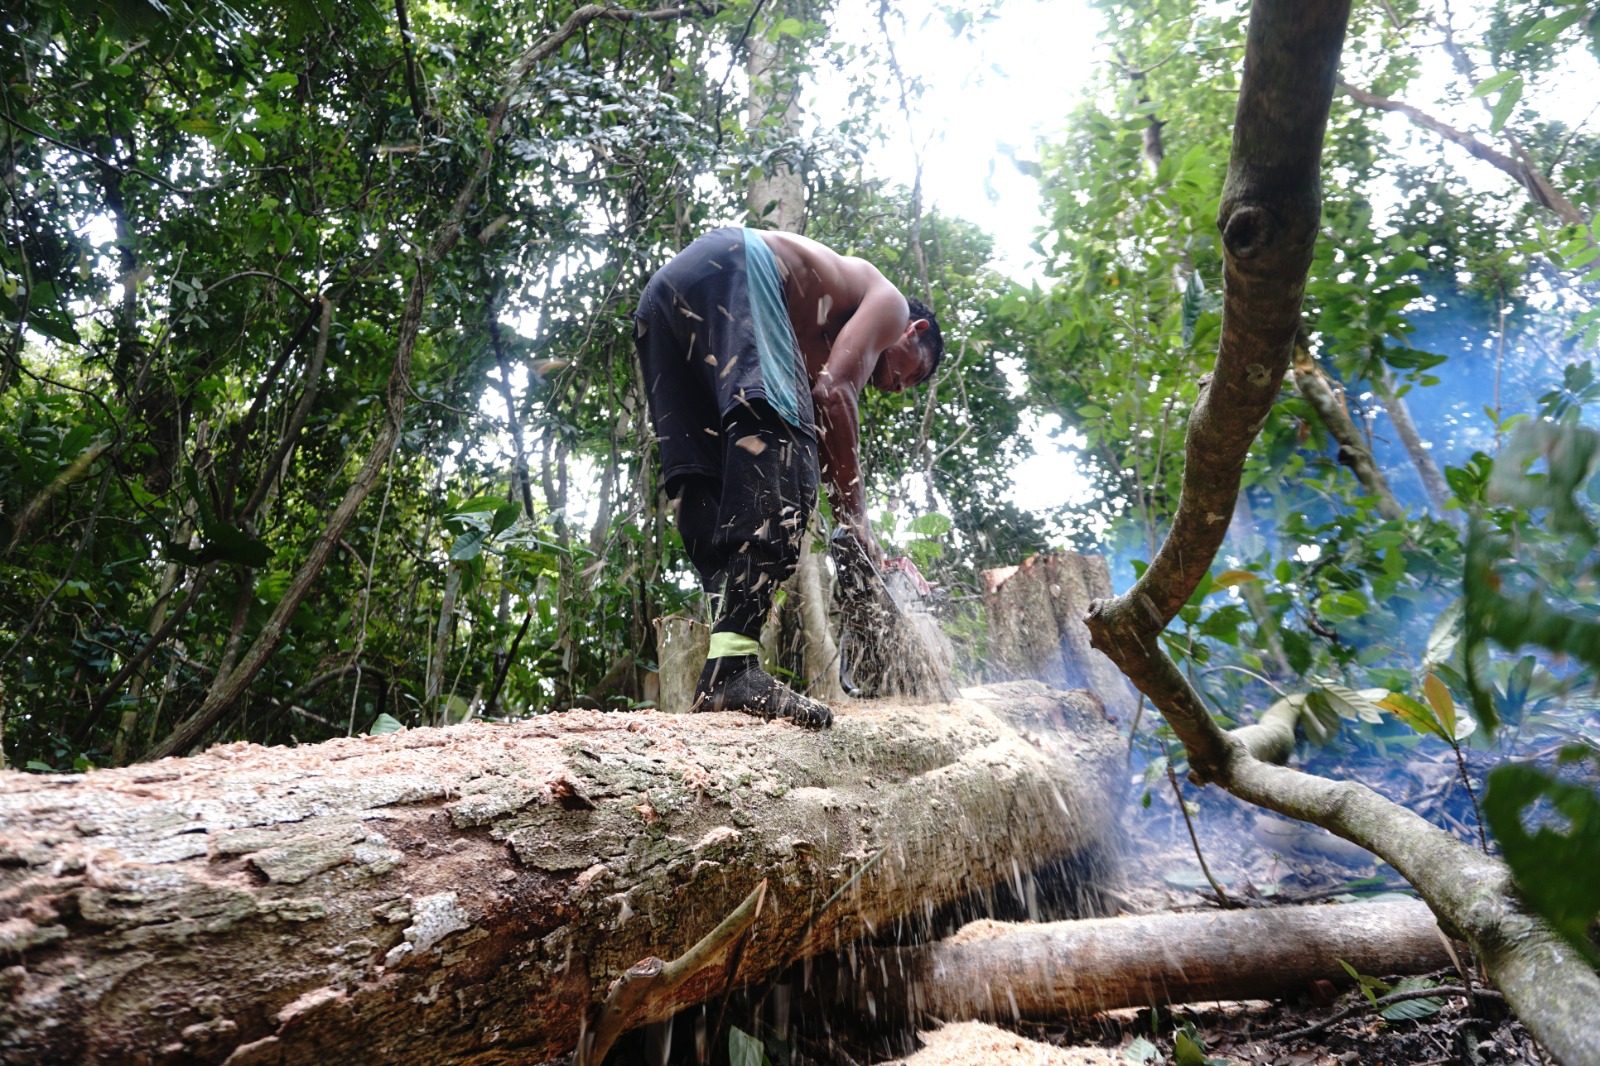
(737, 683)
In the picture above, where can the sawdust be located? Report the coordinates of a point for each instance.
(977, 1044)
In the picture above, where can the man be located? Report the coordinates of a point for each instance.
(755, 346)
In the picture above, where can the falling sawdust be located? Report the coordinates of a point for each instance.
(977, 1044)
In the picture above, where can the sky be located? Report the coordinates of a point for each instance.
(998, 93)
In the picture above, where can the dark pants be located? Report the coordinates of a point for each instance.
(744, 530)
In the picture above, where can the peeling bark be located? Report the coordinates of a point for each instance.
(467, 894)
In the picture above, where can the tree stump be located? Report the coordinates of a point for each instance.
(681, 647)
(1036, 627)
(469, 893)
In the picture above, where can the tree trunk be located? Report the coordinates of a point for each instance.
(439, 655)
(1003, 971)
(1330, 410)
(1433, 481)
(682, 644)
(466, 894)
(1036, 627)
(778, 197)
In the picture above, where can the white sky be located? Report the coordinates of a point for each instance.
(1012, 85)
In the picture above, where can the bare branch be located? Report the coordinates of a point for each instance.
(1539, 189)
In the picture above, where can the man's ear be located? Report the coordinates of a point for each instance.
(920, 325)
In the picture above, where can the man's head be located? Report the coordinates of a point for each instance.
(913, 358)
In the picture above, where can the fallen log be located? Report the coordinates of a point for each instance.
(1004, 971)
(468, 894)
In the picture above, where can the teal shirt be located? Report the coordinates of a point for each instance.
(783, 369)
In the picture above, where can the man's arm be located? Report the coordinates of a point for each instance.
(877, 323)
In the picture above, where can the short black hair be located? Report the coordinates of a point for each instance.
(931, 340)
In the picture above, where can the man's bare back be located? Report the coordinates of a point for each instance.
(853, 326)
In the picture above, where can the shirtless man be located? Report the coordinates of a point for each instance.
(755, 346)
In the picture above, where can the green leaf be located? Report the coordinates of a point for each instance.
(479, 504)
(1414, 714)
(1230, 578)
(251, 146)
(1503, 106)
(1140, 1052)
(200, 125)
(468, 545)
(931, 525)
(1193, 290)
(505, 516)
(384, 723)
(1185, 1052)
(1320, 721)
(1442, 638)
(281, 80)
(1411, 1009)
(1553, 859)
(744, 1049)
(791, 27)
(1497, 81)
(1350, 704)
(1548, 29)
(42, 767)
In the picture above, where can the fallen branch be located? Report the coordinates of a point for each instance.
(1383, 1001)
(651, 979)
(995, 970)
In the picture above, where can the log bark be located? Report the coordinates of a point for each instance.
(1001, 971)
(467, 894)
(1036, 626)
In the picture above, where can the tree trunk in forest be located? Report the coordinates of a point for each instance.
(1433, 481)
(1036, 627)
(778, 199)
(682, 645)
(440, 653)
(1003, 971)
(1330, 410)
(441, 895)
